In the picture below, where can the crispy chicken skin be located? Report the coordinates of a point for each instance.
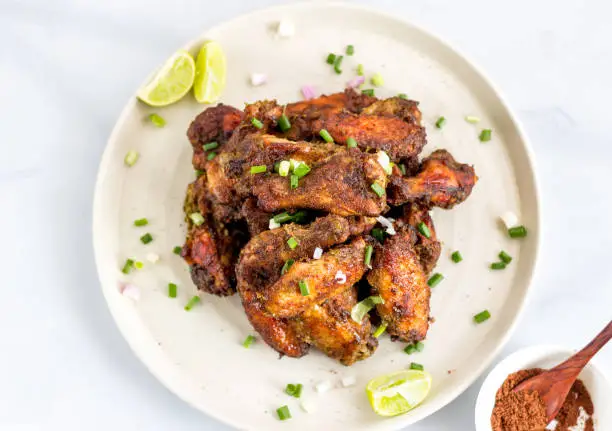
(427, 249)
(284, 298)
(407, 110)
(330, 328)
(398, 277)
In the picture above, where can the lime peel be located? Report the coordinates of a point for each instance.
(399, 392)
(171, 82)
(210, 71)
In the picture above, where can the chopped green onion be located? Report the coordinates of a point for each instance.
(410, 349)
(283, 168)
(471, 119)
(498, 265)
(482, 316)
(485, 135)
(338, 63)
(360, 70)
(368, 92)
(256, 123)
(350, 50)
(456, 257)
(441, 122)
(379, 234)
(424, 230)
(286, 266)
(172, 290)
(368, 255)
(505, 257)
(283, 123)
(351, 143)
(259, 169)
(146, 238)
(294, 390)
(415, 366)
(292, 243)
(300, 216)
(402, 168)
(276, 166)
(293, 181)
(435, 279)
(402, 96)
(141, 222)
(248, 341)
(127, 267)
(211, 156)
(517, 232)
(283, 413)
(210, 146)
(419, 346)
(138, 265)
(377, 80)
(378, 189)
(326, 136)
(380, 330)
(157, 120)
(177, 250)
(192, 302)
(199, 173)
(282, 217)
(196, 218)
(331, 58)
(131, 158)
(304, 290)
(359, 310)
(301, 170)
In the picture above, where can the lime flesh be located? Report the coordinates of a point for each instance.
(210, 73)
(171, 82)
(399, 392)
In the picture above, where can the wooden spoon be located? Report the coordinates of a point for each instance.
(554, 384)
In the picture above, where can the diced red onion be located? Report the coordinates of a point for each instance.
(340, 277)
(355, 82)
(129, 291)
(258, 79)
(308, 92)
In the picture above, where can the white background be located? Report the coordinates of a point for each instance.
(67, 68)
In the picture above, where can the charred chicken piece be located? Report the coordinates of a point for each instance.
(426, 248)
(406, 110)
(441, 182)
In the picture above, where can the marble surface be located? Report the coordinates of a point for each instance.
(67, 68)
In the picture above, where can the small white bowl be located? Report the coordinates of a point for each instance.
(595, 380)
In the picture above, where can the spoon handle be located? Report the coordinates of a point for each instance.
(576, 363)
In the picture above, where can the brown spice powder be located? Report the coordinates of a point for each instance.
(570, 411)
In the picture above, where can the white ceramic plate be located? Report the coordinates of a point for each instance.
(198, 354)
(596, 382)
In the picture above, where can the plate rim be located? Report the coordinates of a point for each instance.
(535, 231)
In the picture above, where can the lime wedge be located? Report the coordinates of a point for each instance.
(396, 393)
(171, 82)
(210, 73)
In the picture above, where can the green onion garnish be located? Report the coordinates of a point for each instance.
(210, 146)
(498, 265)
(127, 267)
(517, 232)
(292, 243)
(456, 257)
(402, 96)
(350, 50)
(283, 168)
(276, 166)
(256, 123)
(293, 181)
(294, 390)
(419, 346)
(286, 266)
(485, 135)
(331, 58)
(141, 222)
(282, 217)
(378, 189)
(248, 341)
(138, 265)
(304, 290)
(172, 288)
(415, 366)
(402, 167)
(377, 80)
(505, 257)
(283, 413)
(379, 234)
(196, 218)
(435, 279)
(157, 120)
(380, 330)
(177, 250)
(471, 119)
(359, 310)
(482, 316)
(199, 173)
(368, 255)
(283, 123)
(441, 122)
(146, 238)
(351, 143)
(424, 230)
(326, 136)
(301, 170)
(211, 155)
(193, 301)
(338, 63)
(410, 349)
(131, 158)
(360, 70)
(368, 92)
(259, 169)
